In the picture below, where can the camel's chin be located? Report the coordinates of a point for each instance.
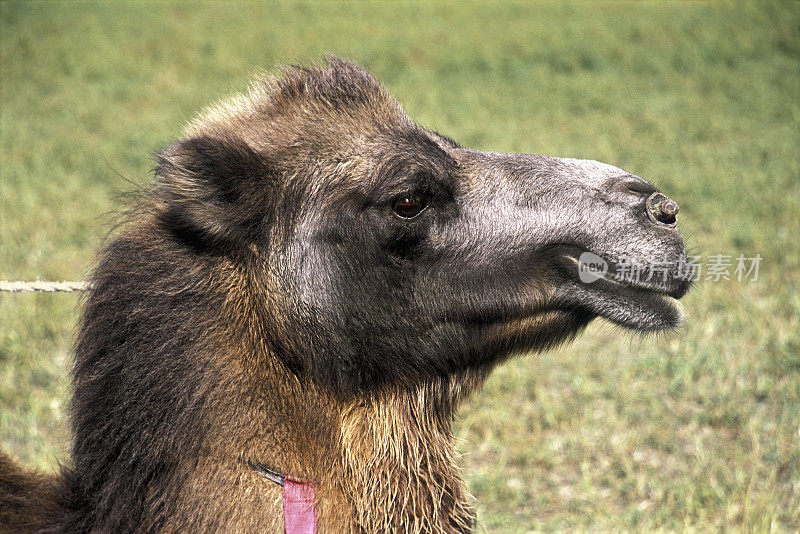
(643, 310)
(638, 308)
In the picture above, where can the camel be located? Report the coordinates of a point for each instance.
(280, 335)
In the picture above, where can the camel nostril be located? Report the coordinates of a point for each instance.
(662, 210)
(669, 208)
(638, 188)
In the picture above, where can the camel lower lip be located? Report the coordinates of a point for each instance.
(639, 287)
(675, 303)
(631, 305)
(622, 282)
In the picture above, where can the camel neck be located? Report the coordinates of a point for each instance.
(398, 462)
(381, 461)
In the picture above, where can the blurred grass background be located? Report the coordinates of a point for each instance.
(697, 429)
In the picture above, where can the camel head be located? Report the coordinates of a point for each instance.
(385, 253)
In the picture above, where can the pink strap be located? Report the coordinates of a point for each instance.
(299, 507)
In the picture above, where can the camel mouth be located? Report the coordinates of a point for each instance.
(638, 303)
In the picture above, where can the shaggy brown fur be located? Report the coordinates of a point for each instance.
(276, 302)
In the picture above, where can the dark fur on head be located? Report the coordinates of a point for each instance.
(270, 305)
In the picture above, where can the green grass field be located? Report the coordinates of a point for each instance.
(698, 429)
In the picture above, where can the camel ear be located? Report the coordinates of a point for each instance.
(215, 190)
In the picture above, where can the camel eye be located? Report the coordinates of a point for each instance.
(408, 205)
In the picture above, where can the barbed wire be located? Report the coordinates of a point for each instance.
(49, 287)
